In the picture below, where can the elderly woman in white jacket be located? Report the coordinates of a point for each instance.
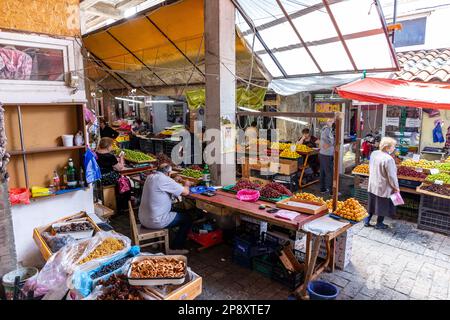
(383, 183)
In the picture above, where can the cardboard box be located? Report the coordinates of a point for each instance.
(285, 166)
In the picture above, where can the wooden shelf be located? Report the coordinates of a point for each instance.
(43, 150)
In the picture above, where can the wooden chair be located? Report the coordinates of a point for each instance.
(150, 236)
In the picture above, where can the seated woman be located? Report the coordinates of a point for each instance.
(310, 141)
(108, 163)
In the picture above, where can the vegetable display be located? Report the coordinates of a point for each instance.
(245, 184)
(137, 156)
(197, 174)
(435, 188)
(362, 168)
(444, 177)
(409, 172)
(106, 269)
(444, 166)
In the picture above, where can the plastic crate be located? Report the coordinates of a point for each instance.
(264, 264)
(207, 239)
(248, 228)
(243, 261)
(292, 178)
(361, 195)
(289, 279)
(434, 221)
(434, 203)
(409, 183)
(248, 245)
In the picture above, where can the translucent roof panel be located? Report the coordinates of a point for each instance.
(313, 37)
(270, 65)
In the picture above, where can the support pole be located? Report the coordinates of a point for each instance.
(337, 151)
(220, 69)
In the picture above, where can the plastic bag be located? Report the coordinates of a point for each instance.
(124, 184)
(56, 242)
(91, 168)
(438, 137)
(19, 196)
(397, 199)
(52, 281)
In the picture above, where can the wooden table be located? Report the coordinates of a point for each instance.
(129, 171)
(305, 166)
(226, 203)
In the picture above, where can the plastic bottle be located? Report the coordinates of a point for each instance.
(56, 180)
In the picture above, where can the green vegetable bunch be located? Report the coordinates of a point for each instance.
(137, 156)
(192, 173)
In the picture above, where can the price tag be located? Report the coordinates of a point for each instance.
(392, 122)
(439, 182)
(293, 148)
(434, 171)
(419, 170)
(416, 157)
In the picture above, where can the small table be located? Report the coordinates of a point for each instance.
(129, 171)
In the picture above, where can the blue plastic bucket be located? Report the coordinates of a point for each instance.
(321, 290)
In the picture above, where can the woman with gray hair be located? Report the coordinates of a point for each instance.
(383, 183)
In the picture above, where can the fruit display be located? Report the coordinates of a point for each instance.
(74, 227)
(303, 148)
(108, 268)
(269, 193)
(137, 156)
(409, 172)
(118, 288)
(107, 247)
(445, 166)
(448, 159)
(308, 197)
(167, 267)
(351, 209)
(287, 153)
(435, 188)
(197, 174)
(362, 168)
(444, 177)
(329, 204)
(280, 188)
(279, 145)
(245, 184)
(422, 163)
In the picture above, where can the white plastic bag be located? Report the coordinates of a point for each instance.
(397, 199)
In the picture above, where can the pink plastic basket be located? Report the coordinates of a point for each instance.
(248, 195)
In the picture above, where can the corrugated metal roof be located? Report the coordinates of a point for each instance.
(425, 65)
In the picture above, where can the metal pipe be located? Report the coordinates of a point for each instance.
(394, 20)
(22, 147)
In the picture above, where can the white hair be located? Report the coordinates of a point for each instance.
(387, 142)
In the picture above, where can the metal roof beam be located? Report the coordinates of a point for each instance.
(109, 70)
(136, 57)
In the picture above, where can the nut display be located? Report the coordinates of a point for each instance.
(422, 163)
(303, 148)
(107, 247)
(158, 268)
(118, 288)
(351, 209)
(73, 227)
(191, 173)
(108, 268)
(137, 156)
(308, 197)
(362, 168)
(444, 177)
(287, 153)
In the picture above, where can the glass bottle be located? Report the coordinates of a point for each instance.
(71, 175)
(206, 176)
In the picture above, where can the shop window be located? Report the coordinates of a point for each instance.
(412, 33)
(31, 63)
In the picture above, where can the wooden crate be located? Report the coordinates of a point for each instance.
(188, 291)
(286, 167)
(109, 197)
(40, 242)
(103, 211)
(318, 207)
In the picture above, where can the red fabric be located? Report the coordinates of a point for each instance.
(398, 93)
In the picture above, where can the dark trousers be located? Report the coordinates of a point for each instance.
(326, 172)
(184, 223)
(380, 219)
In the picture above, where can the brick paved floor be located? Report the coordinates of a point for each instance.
(399, 263)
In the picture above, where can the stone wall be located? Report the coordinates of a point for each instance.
(299, 102)
(7, 247)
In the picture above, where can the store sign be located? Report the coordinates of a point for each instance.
(412, 122)
(393, 122)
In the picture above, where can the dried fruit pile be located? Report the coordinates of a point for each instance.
(245, 184)
(274, 190)
(280, 188)
(108, 268)
(167, 267)
(308, 197)
(269, 193)
(118, 288)
(351, 209)
(74, 227)
(107, 247)
(409, 172)
(443, 190)
(362, 168)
